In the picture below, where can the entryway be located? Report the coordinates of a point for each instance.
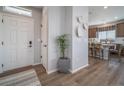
(16, 41)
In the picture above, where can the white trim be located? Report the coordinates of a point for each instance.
(74, 71)
(54, 70)
(18, 10)
(36, 64)
(16, 16)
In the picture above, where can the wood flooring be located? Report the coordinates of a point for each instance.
(98, 73)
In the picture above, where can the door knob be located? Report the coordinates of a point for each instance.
(30, 44)
(45, 45)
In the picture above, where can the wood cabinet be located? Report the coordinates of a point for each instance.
(92, 32)
(120, 30)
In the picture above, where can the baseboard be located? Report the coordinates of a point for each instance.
(36, 64)
(74, 71)
(49, 72)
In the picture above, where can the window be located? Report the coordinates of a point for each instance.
(103, 35)
(111, 35)
(18, 10)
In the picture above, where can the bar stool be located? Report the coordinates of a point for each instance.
(98, 51)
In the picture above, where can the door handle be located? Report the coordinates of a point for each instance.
(30, 44)
(2, 65)
(45, 45)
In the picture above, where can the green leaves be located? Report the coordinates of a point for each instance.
(62, 42)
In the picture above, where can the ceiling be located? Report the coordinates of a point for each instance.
(100, 15)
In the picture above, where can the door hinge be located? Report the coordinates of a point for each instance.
(2, 65)
(2, 43)
(2, 20)
(41, 25)
(40, 56)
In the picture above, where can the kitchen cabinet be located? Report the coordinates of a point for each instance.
(120, 30)
(92, 32)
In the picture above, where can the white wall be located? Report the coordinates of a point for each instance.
(79, 45)
(68, 31)
(56, 27)
(62, 20)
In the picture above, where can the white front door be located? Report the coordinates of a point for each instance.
(25, 43)
(19, 40)
(1, 43)
(10, 42)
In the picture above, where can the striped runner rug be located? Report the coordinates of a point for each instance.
(25, 78)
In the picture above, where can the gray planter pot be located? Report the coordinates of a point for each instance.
(64, 65)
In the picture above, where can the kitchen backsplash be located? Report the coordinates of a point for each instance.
(120, 40)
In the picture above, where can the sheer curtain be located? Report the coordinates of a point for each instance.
(106, 33)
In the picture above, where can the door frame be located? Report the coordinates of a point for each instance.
(42, 45)
(1, 68)
(23, 18)
(16, 15)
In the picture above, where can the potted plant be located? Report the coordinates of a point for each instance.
(63, 62)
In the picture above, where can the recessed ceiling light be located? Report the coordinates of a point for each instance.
(105, 7)
(116, 17)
